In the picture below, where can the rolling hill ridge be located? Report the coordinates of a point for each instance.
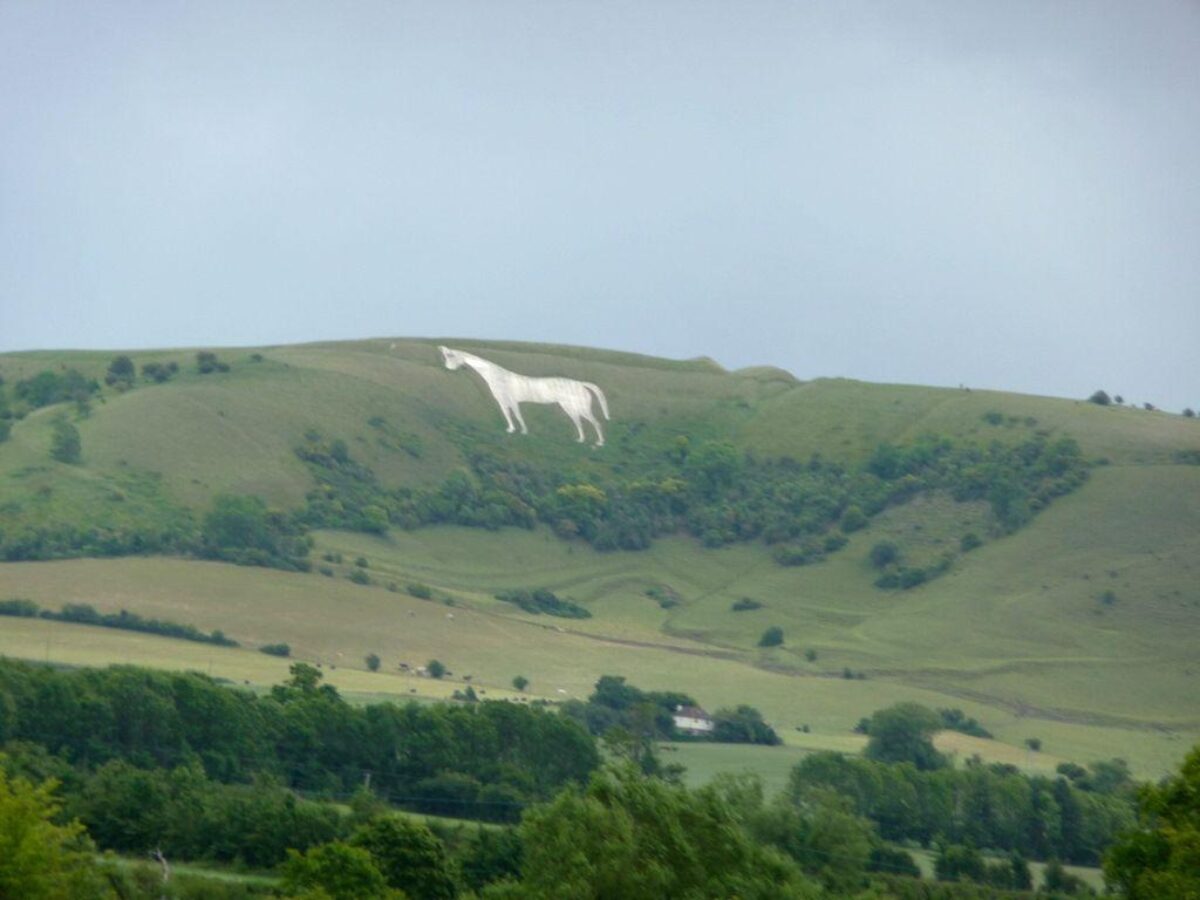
(1042, 575)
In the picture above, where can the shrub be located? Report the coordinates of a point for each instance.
(276, 649)
(372, 660)
(1189, 413)
(520, 682)
(157, 372)
(834, 542)
(65, 444)
(810, 654)
(665, 596)
(969, 542)
(853, 519)
(420, 591)
(541, 600)
(358, 576)
(1034, 744)
(884, 554)
(1100, 398)
(207, 363)
(772, 637)
(993, 418)
(326, 571)
(956, 720)
(48, 387)
(798, 554)
(120, 372)
(744, 604)
(435, 668)
(362, 563)
(17, 607)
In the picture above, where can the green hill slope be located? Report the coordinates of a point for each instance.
(1079, 628)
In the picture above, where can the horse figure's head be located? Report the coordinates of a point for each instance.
(452, 358)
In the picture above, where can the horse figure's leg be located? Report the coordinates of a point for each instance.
(587, 414)
(516, 411)
(572, 411)
(508, 418)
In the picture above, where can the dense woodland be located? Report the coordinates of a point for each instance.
(200, 771)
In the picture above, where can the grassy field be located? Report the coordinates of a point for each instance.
(1079, 630)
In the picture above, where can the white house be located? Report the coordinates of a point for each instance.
(692, 720)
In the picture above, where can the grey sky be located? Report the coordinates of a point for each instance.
(997, 194)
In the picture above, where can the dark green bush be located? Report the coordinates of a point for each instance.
(883, 554)
(540, 600)
(276, 649)
(65, 444)
(745, 603)
(772, 637)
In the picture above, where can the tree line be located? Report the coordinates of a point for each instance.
(714, 493)
(482, 760)
(202, 771)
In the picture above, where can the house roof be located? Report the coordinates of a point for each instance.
(691, 712)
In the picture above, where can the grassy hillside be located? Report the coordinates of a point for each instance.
(1079, 629)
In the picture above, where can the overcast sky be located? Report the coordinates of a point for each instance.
(998, 194)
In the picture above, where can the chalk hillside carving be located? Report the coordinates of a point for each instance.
(511, 389)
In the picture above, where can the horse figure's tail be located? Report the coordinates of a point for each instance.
(599, 396)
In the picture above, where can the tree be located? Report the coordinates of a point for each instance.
(818, 828)
(489, 855)
(901, 733)
(520, 682)
(772, 637)
(1161, 857)
(121, 372)
(743, 725)
(435, 668)
(65, 445)
(238, 521)
(643, 839)
(372, 660)
(40, 860)
(409, 856)
(1100, 398)
(342, 872)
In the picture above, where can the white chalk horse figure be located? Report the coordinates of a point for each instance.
(511, 390)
